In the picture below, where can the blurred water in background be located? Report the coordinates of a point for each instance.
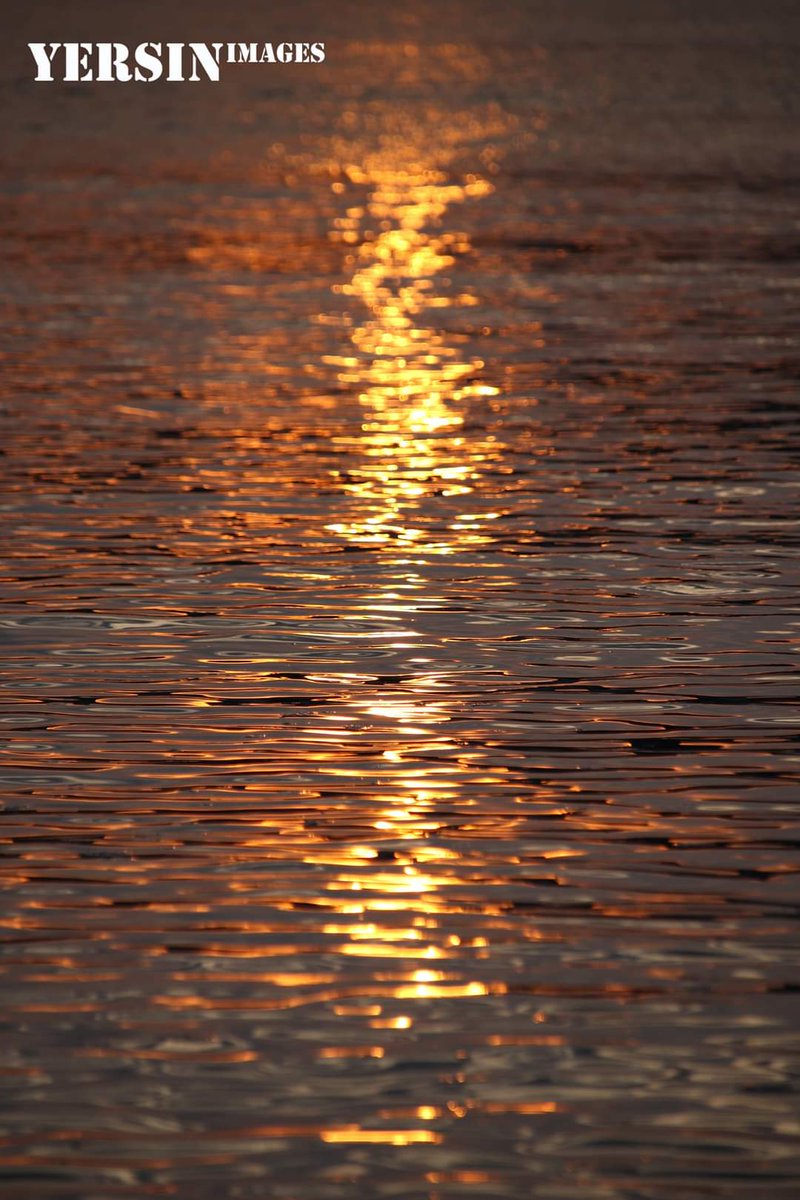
(398, 602)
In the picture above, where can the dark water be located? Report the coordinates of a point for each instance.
(399, 607)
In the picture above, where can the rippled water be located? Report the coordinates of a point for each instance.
(398, 605)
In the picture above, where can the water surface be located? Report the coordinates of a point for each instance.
(399, 604)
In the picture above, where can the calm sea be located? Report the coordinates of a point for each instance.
(399, 604)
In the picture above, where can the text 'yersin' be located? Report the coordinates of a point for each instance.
(176, 62)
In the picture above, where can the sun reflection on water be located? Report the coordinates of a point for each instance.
(410, 377)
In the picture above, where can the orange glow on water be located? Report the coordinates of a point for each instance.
(410, 379)
(401, 557)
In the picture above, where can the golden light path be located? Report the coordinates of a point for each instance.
(410, 380)
(407, 468)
